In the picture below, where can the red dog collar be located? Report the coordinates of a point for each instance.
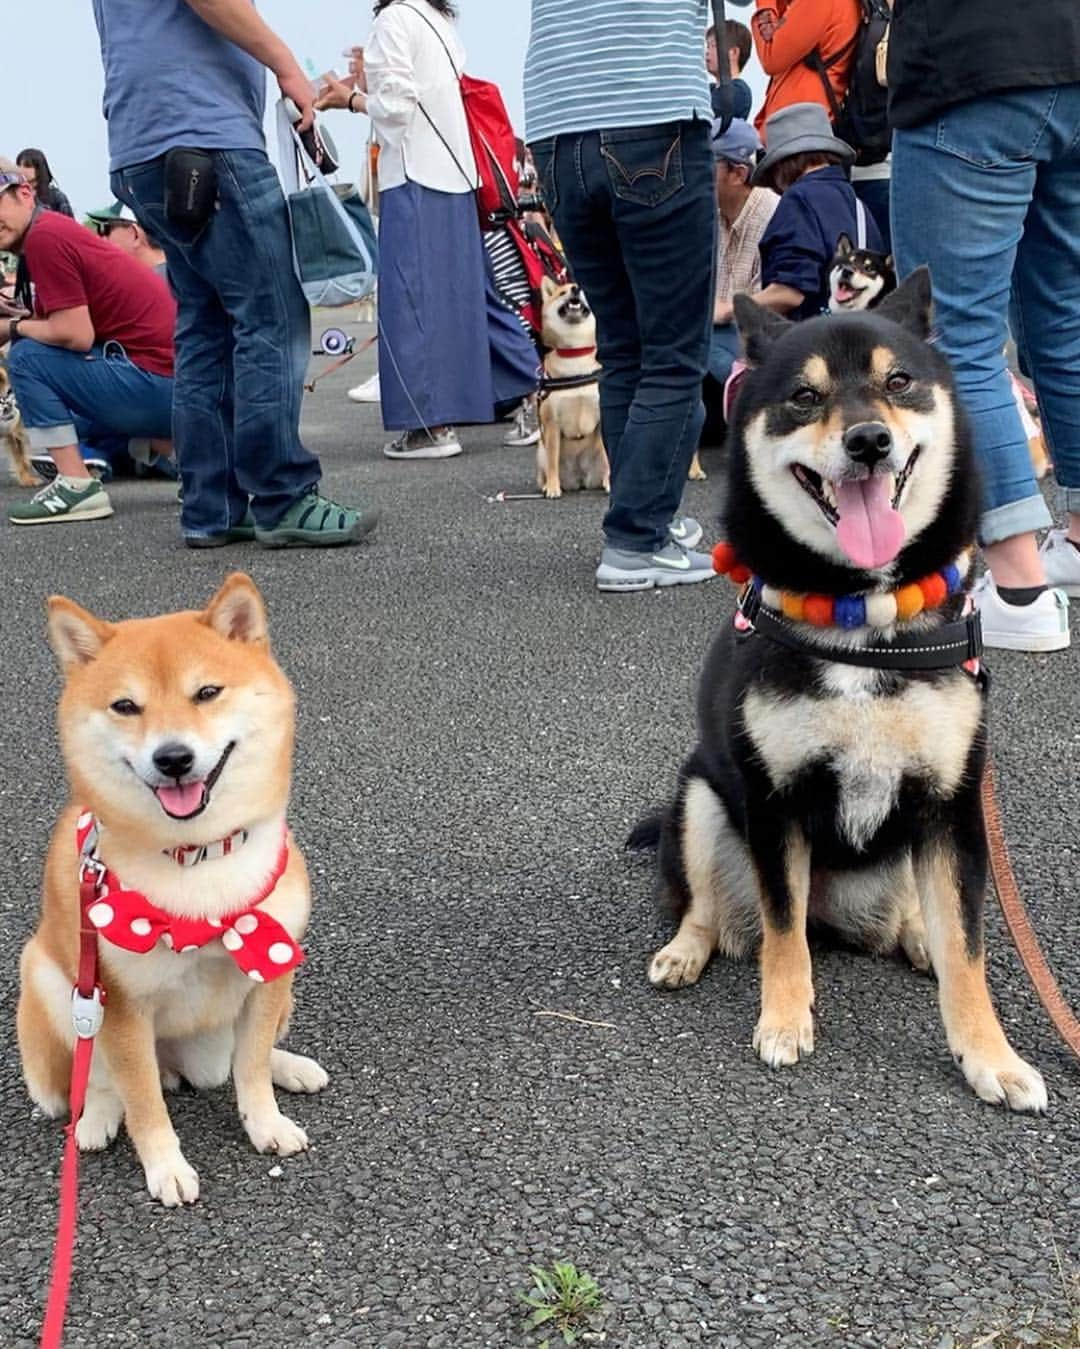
(570, 352)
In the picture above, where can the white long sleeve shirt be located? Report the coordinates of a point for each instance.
(410, 73)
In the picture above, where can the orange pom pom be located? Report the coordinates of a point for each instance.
(740, 574)
(909, 601)
(723, 558)
(818, 609)
(934, 590)
(792, 605)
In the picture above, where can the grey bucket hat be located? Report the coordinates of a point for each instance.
(794, 130)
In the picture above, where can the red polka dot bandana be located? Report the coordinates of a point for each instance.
(258, 943)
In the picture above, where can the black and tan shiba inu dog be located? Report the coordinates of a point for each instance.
(828, 785)
(859, 278)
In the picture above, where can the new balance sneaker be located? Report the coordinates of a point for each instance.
(1061, 560)
(62, 500)
(424, 445)
(368, 392)
(1041, 626)
(316, 522)
(673, 565)
(685, 530)
(524, 430)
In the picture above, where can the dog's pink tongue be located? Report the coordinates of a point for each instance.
(870, 532)
(181, 800)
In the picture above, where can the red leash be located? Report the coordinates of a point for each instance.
(87, 1013)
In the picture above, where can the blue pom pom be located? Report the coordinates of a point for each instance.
(850, 611)
(953, 579)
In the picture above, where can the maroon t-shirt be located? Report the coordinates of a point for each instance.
(128, 302)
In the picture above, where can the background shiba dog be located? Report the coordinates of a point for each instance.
(820, 791)
(859, 278)
(13, 435)
(177, 734)
(571, 450)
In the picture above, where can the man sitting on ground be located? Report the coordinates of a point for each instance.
(744, 215)
(117, 223)
(95, 357)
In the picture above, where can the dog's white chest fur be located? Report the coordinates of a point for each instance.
(871, 742)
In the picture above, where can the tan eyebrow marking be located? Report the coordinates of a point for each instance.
(882, 361)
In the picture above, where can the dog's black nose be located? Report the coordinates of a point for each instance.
(174, 760)
(575, 292)
(868, 442)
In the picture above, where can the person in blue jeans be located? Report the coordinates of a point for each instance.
(91, 361)
(626, 170)
(986, 190)
(243, 336)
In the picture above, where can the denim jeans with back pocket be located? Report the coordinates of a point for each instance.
(243, 342)
(635, 211)
(988, 195)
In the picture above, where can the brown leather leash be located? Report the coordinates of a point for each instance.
(1018, 922)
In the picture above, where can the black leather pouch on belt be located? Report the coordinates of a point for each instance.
(190, 186)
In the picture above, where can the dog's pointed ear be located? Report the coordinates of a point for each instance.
(237, 611)
(844, 246)
(548, 287)
(758, 327)
(75, 635)
(911, 304)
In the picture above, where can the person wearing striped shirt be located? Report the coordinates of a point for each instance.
(618, 114)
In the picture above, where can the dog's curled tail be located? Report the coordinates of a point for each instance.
(646, 833)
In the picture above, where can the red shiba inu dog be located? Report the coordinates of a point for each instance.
(177, 735)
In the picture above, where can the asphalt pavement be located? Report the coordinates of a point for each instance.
(478, 730)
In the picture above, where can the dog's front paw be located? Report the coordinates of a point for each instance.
(1005, 1079)
(172, 1180)
(697, 473)
(553, 490)
(296, 1072)
(100, 1121)
(276, 1133)
(678, 963)
(782, 1041)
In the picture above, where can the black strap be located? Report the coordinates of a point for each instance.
(723, 68)
(553, 383)
(952, 644)
(821, 67)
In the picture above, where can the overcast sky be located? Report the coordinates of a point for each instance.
(52, 79)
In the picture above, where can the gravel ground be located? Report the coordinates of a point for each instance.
(478, 730)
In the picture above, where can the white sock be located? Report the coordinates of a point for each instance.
(74, 484)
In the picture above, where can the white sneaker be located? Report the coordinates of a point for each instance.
(1062, 562)
(424, 445)
(368, 392)
(524, 430)
(1042, 626)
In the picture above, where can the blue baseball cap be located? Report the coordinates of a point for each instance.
(739, 144)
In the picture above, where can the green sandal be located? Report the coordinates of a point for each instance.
(316, 522)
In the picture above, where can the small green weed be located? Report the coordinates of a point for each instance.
(561, 1298)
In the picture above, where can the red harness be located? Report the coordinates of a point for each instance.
(259, 945)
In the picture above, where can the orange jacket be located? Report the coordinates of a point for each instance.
(786, 32)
